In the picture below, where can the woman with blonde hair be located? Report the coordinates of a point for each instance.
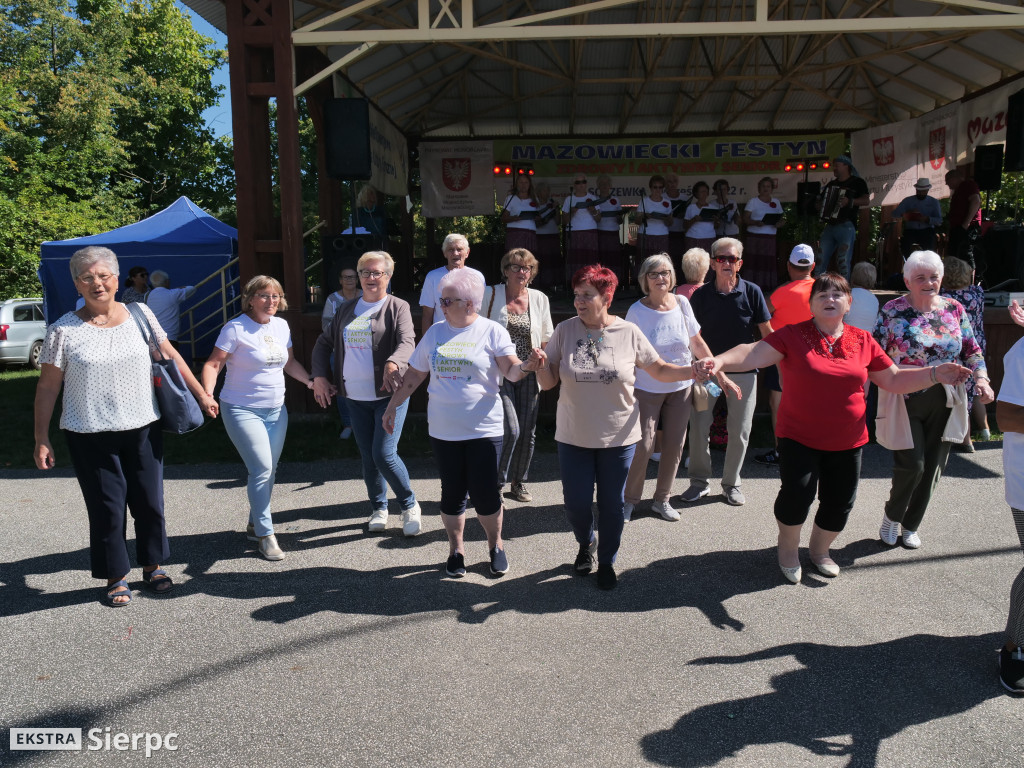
(256, 348)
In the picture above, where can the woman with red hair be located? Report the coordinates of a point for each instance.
(595, 356)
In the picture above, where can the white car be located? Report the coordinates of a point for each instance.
(22, 330)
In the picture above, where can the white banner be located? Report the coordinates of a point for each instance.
(937, 140)
(389, 156)
(983, 120)
(457, 178)
(886, 157)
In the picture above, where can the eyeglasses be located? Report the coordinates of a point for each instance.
(663, 274)
(520, 268)
(372, 273)
(580, 181)
(350, 277)
(90, 279)
(448, 302)
(727, 259)
(270, 296)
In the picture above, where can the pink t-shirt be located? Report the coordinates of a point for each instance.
(823, 398)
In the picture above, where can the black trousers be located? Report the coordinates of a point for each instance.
(468, 468)
(804, 471)
(118, 471)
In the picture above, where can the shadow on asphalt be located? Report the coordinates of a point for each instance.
(842, 702)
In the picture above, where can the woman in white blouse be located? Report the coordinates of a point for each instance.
(257, 348)
(760, 259)
(520, 215)
(111, 422)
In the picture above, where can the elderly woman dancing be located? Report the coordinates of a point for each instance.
(370, 340)
(920, 330)
(668, 323)
(465, 357)
(596, 356)
(825, 362)
(526, 314)
(256, 347)
(111, 421)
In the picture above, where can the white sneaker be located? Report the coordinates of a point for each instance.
(910, 539)
(379, 519)
(889, 533)
(410, 520)
(627, 512)
(664, 509)
(269, 548)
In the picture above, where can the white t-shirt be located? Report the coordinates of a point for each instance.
(464, 401)
(655, 226)
(516, 205)
(108, 373)
(610, 209)
(358, 339)
(430, 295)
(730, 227)
(700, 229)
(677, 224)
(581, 219)
(669, 333)
(1012, 391)
(757, 208)
(256, 358)
(166, 305)
(863, 309)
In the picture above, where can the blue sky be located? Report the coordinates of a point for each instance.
(218, 117)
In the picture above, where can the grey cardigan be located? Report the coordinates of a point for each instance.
(393, 335)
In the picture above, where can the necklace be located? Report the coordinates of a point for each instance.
(592, 348)
(824, 338)
(94, 321)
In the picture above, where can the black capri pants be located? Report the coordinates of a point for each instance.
(469, 467)
(804, 471)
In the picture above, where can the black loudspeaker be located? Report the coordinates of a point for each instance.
(1002, 256)
(988, 166)
(342, 251)
(806, 196)
(347, 139)
(1014, 160)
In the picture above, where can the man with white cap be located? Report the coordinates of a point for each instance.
(921, 215)
(789, 303)
(840, 233)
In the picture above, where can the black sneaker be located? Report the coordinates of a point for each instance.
(606, 577)
(499, 563)
(1011, 669)
(456, 566)
(770, 459)
(585, 559)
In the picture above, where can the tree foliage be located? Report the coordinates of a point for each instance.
(100, 122)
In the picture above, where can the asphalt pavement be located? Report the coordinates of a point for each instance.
(356, 650)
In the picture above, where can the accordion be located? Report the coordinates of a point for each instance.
(832, 201)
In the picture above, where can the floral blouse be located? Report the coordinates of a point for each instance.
(914, 338)
(973, 299)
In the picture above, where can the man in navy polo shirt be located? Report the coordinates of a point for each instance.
(728, 309)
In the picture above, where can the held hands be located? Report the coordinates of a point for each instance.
(1016, 313)
(323, 391)
(209, 406)
(392, 378)
(538, 359)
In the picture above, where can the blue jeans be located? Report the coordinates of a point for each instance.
(258, 436)
(581, 468)
(379, 451)
(837, 241)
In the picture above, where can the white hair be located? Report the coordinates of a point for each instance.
(922, 260)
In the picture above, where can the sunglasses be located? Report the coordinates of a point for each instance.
(448, 302)
(727, 259)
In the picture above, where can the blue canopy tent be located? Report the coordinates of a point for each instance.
(183, 240)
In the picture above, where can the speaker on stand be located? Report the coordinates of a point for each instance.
(988, 167)
(341, 251)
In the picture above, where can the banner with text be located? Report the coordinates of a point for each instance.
(389, 157)
(741, 161)
(457, 178)
(983, 120)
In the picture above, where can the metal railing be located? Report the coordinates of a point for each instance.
(225, 308)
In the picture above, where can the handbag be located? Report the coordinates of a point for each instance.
(179, 411)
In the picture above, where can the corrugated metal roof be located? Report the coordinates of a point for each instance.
(640, 83)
